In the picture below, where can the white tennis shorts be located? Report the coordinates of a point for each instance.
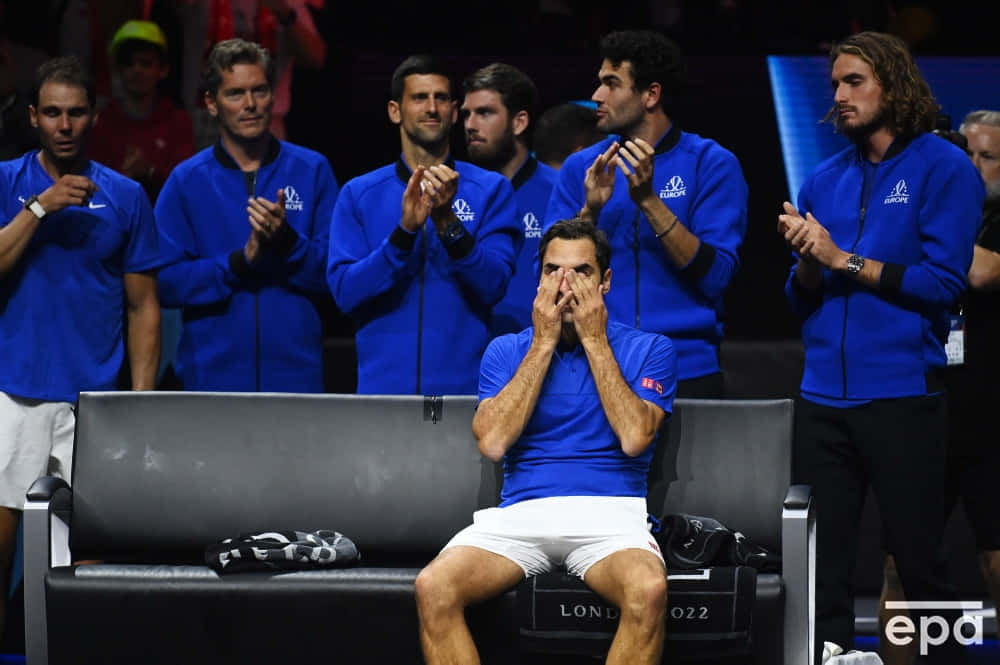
(573, 532)
(36, 439)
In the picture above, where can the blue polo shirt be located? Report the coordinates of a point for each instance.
(568, 447)
(62, 307)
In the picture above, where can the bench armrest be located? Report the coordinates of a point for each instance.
(798, 496)
(46, 544)
(798, 563)
(45, 487)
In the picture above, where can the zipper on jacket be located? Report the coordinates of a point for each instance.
(865, 199)
(420, 311)
(635, 253)
(250, 179)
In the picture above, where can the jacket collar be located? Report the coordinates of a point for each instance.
(897, 146)
(226, 160)
(666, 143)
(525, 172)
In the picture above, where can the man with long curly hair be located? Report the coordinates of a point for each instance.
(882, 235)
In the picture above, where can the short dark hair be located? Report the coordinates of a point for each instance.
(516, 89)
(68, 70)
(654, 58)
(416, 64)
(910, 105)
(575, 229)
(231, 52)
(564, 128)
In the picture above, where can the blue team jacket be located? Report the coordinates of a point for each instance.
(702, 183)
(422, 307)
(920, 218)
(246, 328)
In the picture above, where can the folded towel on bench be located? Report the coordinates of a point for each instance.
(282, 550)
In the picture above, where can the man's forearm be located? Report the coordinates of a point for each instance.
(500, 420)
(984, 275)
(633, 420)
(14, 239)
(144, 345)
(680, 244)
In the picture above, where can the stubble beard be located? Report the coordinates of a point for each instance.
(496, 159)
(860, 132)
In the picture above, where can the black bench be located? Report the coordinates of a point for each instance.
(158, 476)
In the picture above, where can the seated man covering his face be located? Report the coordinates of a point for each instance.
(572, 406)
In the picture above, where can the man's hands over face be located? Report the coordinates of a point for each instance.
(590, 315)
(562, 291)
(548, 308)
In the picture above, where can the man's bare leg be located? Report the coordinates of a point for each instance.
(458, 577)
(635, 581)
(8, 541)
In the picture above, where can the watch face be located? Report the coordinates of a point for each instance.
(855, 263)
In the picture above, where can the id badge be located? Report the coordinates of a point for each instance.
(955, 348)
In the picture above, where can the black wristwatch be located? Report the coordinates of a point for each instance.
(855, 263)
(453, 232)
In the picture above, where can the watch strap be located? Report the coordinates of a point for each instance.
(35, 207)
(457, 241)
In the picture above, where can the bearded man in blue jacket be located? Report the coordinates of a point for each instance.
(246, 269)
(883, 235)
(673, 205)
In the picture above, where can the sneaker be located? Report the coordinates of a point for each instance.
(829, 651)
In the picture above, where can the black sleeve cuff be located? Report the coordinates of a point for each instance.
(891, 279)
(283, 242)
(701, 263)
(461, 247)
(238, 264)
(989, 237)
(403, 240)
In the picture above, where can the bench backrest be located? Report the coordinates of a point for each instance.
(729, 460)
(163, 473)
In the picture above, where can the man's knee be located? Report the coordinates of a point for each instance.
(645, 595)
(434, 588)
